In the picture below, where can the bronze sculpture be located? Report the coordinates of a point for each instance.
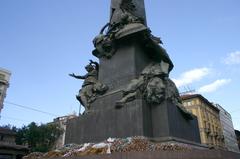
(91, 87)
(154, 86)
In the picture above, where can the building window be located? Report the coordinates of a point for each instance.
(205, 124)
(1, 137)
(194, 102)
(2, 76)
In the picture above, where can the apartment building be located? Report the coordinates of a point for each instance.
(230, 138)
(4, 84)
(210, 128)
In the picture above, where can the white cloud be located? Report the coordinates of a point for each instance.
(191, 76)
(214, 86)
(233, 58)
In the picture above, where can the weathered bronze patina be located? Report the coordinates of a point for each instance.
(91, 87)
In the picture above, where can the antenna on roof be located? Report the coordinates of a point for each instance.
(188, 91)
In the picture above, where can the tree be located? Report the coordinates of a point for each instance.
(38, 138)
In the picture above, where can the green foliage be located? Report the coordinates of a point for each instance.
(6, 126)
(39, 138)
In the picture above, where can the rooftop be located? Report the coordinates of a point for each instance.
(5, 71)
(191, 96)
(6, 131)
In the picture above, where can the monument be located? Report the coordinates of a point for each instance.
(132, 108)
(129, 93)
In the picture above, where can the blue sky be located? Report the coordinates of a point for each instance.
(41, 41)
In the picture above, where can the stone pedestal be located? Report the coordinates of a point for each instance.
(117, 72)
(160, 122)
(117, 123)
(126, 64)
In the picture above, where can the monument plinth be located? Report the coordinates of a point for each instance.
(129, 92)
(161, 123)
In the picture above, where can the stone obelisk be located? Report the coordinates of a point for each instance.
(136, 7)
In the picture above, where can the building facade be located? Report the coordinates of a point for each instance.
(4, 84)
(208, 119)
(62, 122)
(238, 137)
(8, 147)
(230, 138)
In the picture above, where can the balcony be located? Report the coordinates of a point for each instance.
(215, 134)
(211, 134)
(221, 137)
(207, 130)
